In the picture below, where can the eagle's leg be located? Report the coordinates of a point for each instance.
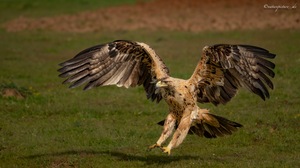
(180, 134)
(169, 126)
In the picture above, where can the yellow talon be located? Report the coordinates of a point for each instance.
(154, 146)
(166, 150)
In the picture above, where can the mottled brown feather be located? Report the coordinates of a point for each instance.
(122, 63)
(237, 66)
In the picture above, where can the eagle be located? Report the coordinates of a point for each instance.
(221, 71)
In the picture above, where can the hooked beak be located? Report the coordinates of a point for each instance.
(160, 84)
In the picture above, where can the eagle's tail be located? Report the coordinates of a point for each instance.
(212, 126)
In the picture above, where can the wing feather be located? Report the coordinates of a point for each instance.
(224, 68)
(122, 63)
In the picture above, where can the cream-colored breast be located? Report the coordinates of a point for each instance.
(179, 98)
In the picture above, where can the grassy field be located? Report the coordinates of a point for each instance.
(112, 127)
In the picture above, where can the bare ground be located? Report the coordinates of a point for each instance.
(179, 15)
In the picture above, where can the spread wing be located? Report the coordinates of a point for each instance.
(224, 68)
(121, 63)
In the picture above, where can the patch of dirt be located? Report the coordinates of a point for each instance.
(11, 92)
(191, 15)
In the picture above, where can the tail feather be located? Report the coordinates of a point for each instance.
(210, 129)
(225, 127)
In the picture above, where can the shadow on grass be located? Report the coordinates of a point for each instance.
(148, 159)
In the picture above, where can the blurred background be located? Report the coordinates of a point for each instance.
(45, 124)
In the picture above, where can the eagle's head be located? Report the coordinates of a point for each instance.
(161, 84)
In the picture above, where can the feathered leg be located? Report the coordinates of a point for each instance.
(169, 126)
(180, 133)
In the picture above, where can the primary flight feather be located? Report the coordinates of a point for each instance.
(221, 71)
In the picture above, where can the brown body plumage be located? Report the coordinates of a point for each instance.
(221, 71)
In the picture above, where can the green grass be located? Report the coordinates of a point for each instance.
(40, 8)
(112, 127)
